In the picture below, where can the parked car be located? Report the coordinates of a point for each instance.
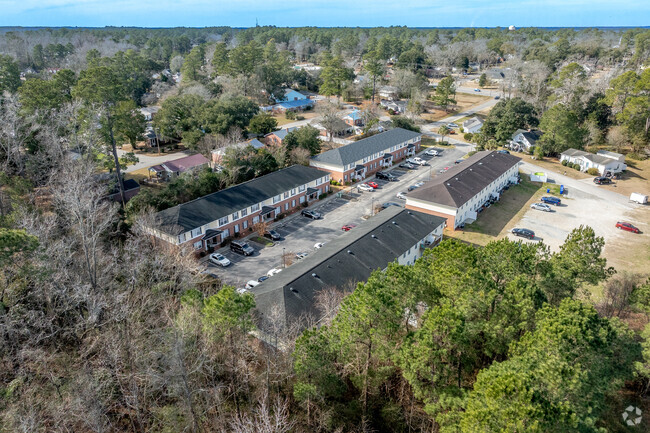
(389, 204)
(552, 200)
(401, 195)
(241, 247)
(263, 278)
(602, 180)
(452, 125)
(273, 235)
(505, 152)
(458, 161)
(415, 186)
(431, 152)
(219, 260)
(348, 227)
(417, 160)
(374, 185)
(442, 170)
(251, 283)
(311, 214)
(319, 245)
(386, 176)
(541, 206)
(301, 255)
(242, 291)
(627, 227)
(477, 90)
(407, 165)
(365, 187)
(273, 272)
(497, 97)
(524, 233)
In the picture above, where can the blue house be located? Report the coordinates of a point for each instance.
(291, 95)
(297, 105)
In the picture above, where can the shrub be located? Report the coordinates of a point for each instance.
(300, 117)
(290, 115)
(565, 162)
(305, 204)
(236, 234)
(226, 241)
(323, 195)
(593, 171)
(472, 152)
(576, 166)
(391, 111)
(468, 136)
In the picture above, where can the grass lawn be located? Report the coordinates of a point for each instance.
(138, 175)
(262, 241)
(282, 120)
(464, 101)
(430, 142)
(495, 221)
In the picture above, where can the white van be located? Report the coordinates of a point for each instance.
(638, 198)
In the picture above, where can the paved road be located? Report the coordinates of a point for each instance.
(300, 234)
(453, 118)
(148, 160)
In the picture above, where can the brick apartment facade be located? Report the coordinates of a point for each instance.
(206, 222)
(358, 160)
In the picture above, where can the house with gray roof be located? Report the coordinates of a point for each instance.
(357, 160)
(393, 235)
(460, 192)
(473, 125)
(603, 161)
(524, 140)
(206, 222)
(275, 138)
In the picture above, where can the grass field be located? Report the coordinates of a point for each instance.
(464, 101)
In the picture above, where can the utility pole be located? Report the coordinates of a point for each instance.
(284, 265)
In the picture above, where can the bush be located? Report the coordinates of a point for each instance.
(391, 111)
(565, 162)
(593, 171)
(472, 153)
(305, 204)
(290, 115)
(468, 136)
(576, 166)
(323, 195)
(300, 117)
(226, 241)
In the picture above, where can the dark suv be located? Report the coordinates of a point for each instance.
(311, 214)
(241, 247)
(602, 180)
(552, 200)
(524, 233)
(385, 176)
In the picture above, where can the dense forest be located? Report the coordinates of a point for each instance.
(103, 331)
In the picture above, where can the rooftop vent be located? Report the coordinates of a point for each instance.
(394, 223)
(293, 290)
(373, 236)
(350, 252)
(314, 275)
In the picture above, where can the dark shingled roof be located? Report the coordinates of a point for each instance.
(187, 216)
(358, 150)
(342, 262)
(463, 181)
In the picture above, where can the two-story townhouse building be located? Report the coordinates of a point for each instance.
(206, 222)
(458, 194)
(356, 161)
(394, 235)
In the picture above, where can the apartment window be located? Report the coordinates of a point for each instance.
(277, 198)
(235, 216)
(236, 228)
(223, 221)
(302, 199)
(286, 194)
(255, 208)
(286, 206)
(293, 203)
(225, 233)
(244, 213)
(194, 233)
(256, 219)
(198, 245)
(301, 188)
(293, 191)
(245, 224)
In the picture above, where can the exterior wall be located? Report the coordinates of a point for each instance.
(341, 174)
(433, 210)
(288, 203)
(415, 252)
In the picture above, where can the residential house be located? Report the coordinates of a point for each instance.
(170, 169)
(357, 160)
(149, 112)
(396, 106)
(459, 193)
(473, 125)
(393, 235)
(339, 129)
(603, 161)
(131, 189)
(218, 154)
(297, 105)
(524, 141)
(389, 92)
(354, 118)
(206, 222)
(291, 95)
(275, 138)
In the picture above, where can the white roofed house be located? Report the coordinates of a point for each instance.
(473, 125)
(524, 140)
(603, 161)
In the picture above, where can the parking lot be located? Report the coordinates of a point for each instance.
(585, 204)
(300, 234)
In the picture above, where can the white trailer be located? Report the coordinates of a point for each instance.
(638, 198)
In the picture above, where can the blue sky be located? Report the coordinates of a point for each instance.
(330, 13)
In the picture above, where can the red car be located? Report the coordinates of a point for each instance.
(375, 185)
(626, 226)
(348, 227)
